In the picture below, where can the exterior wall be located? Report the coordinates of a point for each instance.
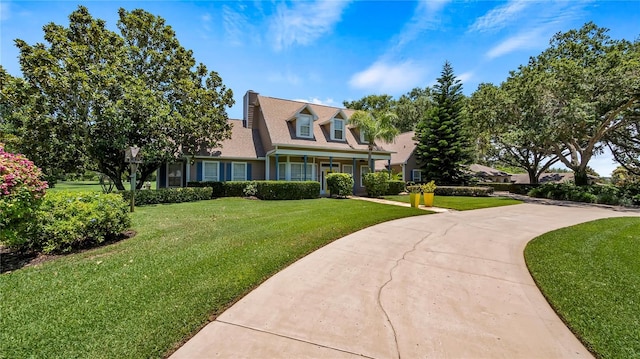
(259, 123)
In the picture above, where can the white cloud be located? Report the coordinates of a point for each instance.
(4, 11)
(235, 25)
(524, 40)
(424, 18)
(465, 76)
(500, 16)
(317, 101)
(385, 77)
(304, 22)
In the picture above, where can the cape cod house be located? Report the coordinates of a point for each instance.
(281, 139)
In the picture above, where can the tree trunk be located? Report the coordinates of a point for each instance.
(533, 178)
(581, 178)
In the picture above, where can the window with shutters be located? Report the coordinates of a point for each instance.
(210, 171)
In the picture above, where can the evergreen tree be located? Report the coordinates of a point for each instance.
(443, 144)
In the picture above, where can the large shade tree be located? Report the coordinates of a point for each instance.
(443, 146)
(375, 128)
(511, 117)
(592, 92)
(99, 92)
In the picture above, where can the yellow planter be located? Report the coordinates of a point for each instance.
(414, 199)
(428, 199)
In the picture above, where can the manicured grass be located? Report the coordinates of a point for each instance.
(84, 186)
(461, 203)
(141, 297)
(590, 273)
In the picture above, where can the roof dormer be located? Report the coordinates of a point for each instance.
(337, 123)
(304, 119)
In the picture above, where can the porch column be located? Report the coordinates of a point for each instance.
(389, 166)
(355, 169)
(266, 168)
(277, 167)
(305, 167)
(188, 174)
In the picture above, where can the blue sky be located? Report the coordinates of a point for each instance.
(329, 51)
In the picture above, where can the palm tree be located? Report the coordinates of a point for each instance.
(373, 129)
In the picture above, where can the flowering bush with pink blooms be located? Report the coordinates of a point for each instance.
(21, 191)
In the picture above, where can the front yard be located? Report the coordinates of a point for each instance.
(142, 297)
(590, 273)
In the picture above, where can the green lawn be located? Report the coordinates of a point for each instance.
(84, 186)
(590, 273)
(461, 203)
(141, 297)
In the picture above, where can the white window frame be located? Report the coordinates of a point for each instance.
(363, 139)
(413, 175)
(216, 165)
(344, 169)
(310, 171)
(233, 171)
(335, 128)
(362, 173)
(299, 126)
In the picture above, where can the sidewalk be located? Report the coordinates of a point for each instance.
(401, 204)
(453, 285)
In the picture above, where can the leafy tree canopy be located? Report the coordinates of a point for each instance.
(592, 91)
(96, 92)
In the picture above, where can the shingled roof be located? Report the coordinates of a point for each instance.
(278, 114)
(244, 143)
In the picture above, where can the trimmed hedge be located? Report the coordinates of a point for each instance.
(70, 220)
(340, 184)
(287, 190)
(602, 194)
(463, 191)
(67, 220)
(217, 187)
(265, 190)
(168, 195)
(395, 187)
(517, 188)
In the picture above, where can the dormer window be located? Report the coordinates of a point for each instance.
(303, 126)
(363, 138)
(337, 129)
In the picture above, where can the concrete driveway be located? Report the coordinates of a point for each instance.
(450, 285)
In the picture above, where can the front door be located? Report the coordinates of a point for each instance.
(325, 169)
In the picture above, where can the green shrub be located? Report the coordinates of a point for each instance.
(376, 183)
(517, 188)
(267, 190)
(67, 220)
(21, 192)
(340, 184)
(463, 191)
(604, 194)
(217, 187)
(250, 189)
(395, 187)
(287, 190)
(168, 195)
(607, 194)
(234, 188)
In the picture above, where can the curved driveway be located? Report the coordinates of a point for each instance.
(450, 285)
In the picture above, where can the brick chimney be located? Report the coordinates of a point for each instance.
(249, 101)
